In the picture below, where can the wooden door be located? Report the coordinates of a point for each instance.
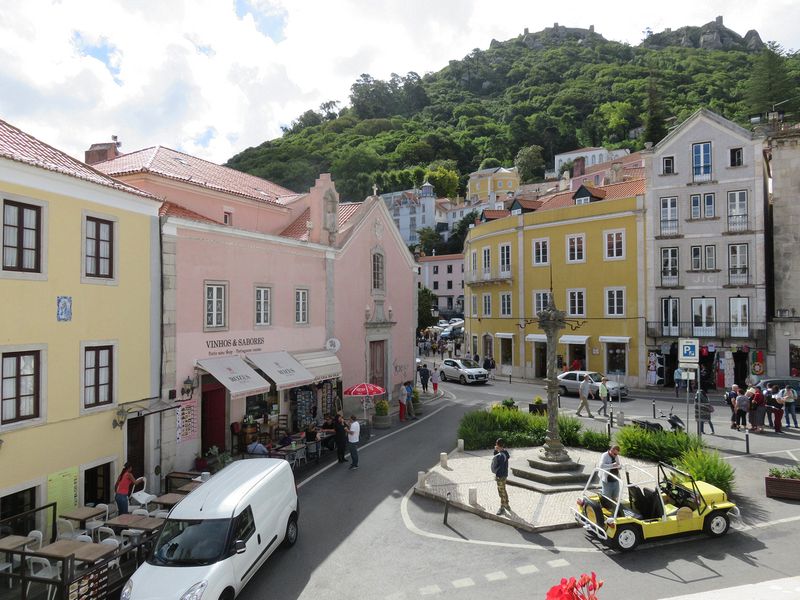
(136, 445)
(213, 419)
(377, 363)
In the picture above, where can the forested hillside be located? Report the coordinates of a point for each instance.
(553, 91)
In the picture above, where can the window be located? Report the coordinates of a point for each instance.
(697, 258)
(99, 247)
(704, 317)
(215, 305)
(449, 284)
(487, 305)
(98, 376)
(615, 302)
(449, 268)
(615, 245)
(616, 358)
(22, 232)
(487, 260)
(377, 271)
(540, 301)
(669, 267)
(474, 305)
(436, 285)
(505, 258)
(435, 269)
(668, 165)
(301, 306)
(702, 206)
(541, 252)
(708, 206)
(505, 304)
(737, 210)
(576, 306)
(227, 218)
(737, 157)
(244, 526)
(669, 316)
(575, 247)
(263, 306)
(701, 161)
(20, 387)
(704, 258)
(669, 216)
(583, 200)
(474, 261)
(710, 257)
(740, 317)
(695, 204)
(737, 264)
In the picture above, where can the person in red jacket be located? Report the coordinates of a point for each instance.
(124, 487)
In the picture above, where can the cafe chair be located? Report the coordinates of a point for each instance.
(7, 566)
(106, 533)
(92, 525)
(301, 456)
(66, 530)
(129, 536)
(160, 513)
(84, 538)
(41, 567)
(141, 497)
(29, 547)
(114, 563)
(140, 512)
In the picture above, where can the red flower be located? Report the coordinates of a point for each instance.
(584, 588)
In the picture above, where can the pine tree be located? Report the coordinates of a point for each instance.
(654, 127)
(770, 83)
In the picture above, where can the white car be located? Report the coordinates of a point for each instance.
(569, 382)
(443, 323)
(462, 370)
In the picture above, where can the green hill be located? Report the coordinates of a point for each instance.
(559, 89)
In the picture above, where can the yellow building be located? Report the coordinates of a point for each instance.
(79, 326)
(492, 185)
(587, 246)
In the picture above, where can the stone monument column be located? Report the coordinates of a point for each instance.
(551, 321)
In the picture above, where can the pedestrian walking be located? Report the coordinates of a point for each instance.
(340, 433)
(442, 349)
(410, 402)
(677, 375)
(353, 434)
(602, 391)
(758, 410)
(435, 380)
(774, 406)
(424, 377)
(401, 401)
(742, 409)
(789, 404)
(703, 410)
(609, 477)
(730, 400)
(500, 470)
(584, 391)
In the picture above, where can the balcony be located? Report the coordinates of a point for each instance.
(738, 277)
(717, 330)
(737, 223)
(482, 276)
(669, 278)
(669, 228)
(701, 173)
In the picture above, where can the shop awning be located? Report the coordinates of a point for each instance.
(504, 336)
(235, 374)
(536, 337)
(573, 339)
(615, 339)
(281, 367)
(322, 364)
(149, 406)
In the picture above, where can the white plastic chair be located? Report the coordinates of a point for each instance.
(66, 530)
(115, 562)
(7, 566)
(160, 513)
(106, 533)
(41, 567)
(84, 538)
(92, 525)
(141, 497)
(301, 456)
(29, 547)
(140, 512)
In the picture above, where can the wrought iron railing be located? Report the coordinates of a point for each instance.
(708, 329)
(669, 226)
(738, 222)
(487, 276)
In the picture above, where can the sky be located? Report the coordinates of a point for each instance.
(214, 77)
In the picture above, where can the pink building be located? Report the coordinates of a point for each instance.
(444, 276)
(274, 302)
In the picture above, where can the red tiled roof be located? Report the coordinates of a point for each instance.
(441, 257)
(170, 209)
(495, 214)
(634, 173)
(596, 192)
(184, 167)
(614, 191)
(529, 204)
(347, 210)
(297, 229)
(19, 146)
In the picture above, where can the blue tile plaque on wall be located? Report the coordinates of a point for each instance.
(64, 308)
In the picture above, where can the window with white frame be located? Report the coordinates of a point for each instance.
(505, 258)
(710, 253)
(98, 376)
(263, 306)
(668, 165)
(704, 317)
(22, 237)
(701, 161)
(615, 302)
(301, 306)
(737, 264)
(541, 299)
(669, 266)
(20, 387)
(487, 260)
(487, 305)
(541, 251)
(576, 303)
(474, 304)
(378, 281)
(215, 305)
(740, 316)
(702, 206)
(99, 248)
(575, 248)
(615, 245)
(737, 157)
(505, 304)
(435, 269)
(703, 258)
(474, 261)
(696, 253)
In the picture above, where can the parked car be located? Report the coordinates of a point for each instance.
(443, 323)
(463, 370)
(456, 321)
(453, 332)
(781, 382)
(216, 538)
(569, 382)
(652, 506)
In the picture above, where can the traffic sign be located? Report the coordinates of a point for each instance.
(688, 350)
(688, 367)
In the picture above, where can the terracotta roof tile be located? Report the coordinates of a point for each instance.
(170, 209)
(490, 215)
(190, 169)
(441, 257)
(347, 210)
(596, 192)
(614, 191)
(297, 229)
(529, 204)
(19, 146)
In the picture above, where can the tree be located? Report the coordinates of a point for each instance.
(455, 243)
(444, 181)
(654, 122)
(429, 240)
(530, 163)
(353, 170)
(489, 163)
(426, 300)
(770, 83)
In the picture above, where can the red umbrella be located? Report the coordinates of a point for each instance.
(364, 389)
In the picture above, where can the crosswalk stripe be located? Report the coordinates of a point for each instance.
(463, 583)
(496, 576)
(527, 569)
(559, 562)
(430, 590)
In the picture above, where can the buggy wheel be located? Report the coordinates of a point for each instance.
(627, 538)
(717, 524)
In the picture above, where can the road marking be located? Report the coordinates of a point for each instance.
(430, 590)
(463, 583)
(763, 454)
(527, 569)
(559, 562)
(496, 576)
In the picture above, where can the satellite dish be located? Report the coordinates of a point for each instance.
(333, 345)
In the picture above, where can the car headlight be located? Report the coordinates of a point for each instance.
(127, 591)
(195, 592)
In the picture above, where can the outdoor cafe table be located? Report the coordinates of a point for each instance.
(169, 500)
(135, 522)
(82, 514)
(88, 552)
(189, 487)
(13, 542)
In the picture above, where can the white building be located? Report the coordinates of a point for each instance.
(444, 276)
(593, 156)
(412, 210)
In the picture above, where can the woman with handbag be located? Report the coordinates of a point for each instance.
(703, 410)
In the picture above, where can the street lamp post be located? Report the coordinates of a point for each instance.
(551, 321)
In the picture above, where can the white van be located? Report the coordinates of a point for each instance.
(216, 538)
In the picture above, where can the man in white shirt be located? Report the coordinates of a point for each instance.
(584, 391)
(609, 462)
(353, 433)
(789, 403)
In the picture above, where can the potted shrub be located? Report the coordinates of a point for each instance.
(218, 460)
(415, 401)
(381, 418)
(783, 483)
(509, 404)
(538, 406)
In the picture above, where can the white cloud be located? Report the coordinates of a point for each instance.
(191, 75)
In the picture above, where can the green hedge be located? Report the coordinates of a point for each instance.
(519, 429)
(707, 466)
(666, 446)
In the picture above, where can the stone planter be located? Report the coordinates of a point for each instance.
(417, 408)
(781, 487)
(381, 421)
(537, 409)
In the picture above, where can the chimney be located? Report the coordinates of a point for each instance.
(579, 166)
(616, 172)
(98, 153)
